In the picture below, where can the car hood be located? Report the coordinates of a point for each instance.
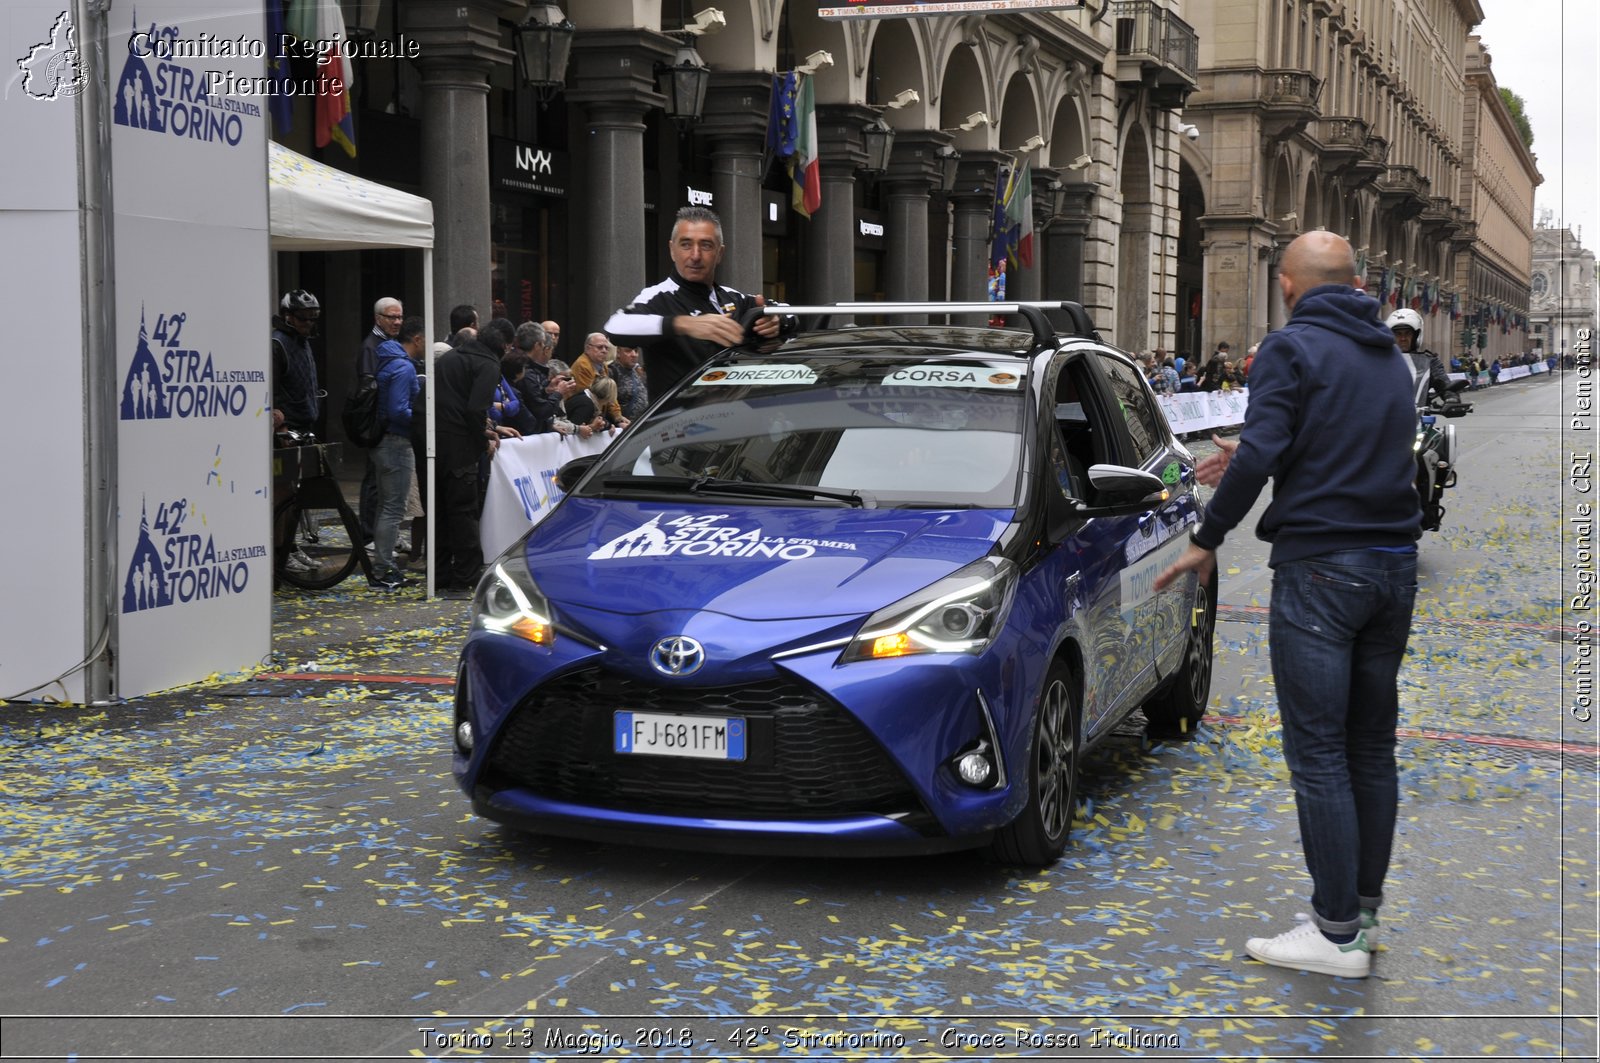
(749, 562)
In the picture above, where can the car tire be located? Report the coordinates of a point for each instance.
(1038, 835)
(1177, 709)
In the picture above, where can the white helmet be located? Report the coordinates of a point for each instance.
(1405, 317)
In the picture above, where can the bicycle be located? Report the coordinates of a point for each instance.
(319, 540)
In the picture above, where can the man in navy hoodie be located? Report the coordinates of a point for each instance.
(392, 459)
(1331, 422)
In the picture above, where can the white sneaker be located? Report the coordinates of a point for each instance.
(1306, 949)
(299, 563)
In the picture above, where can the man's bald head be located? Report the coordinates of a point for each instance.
(1315, 258)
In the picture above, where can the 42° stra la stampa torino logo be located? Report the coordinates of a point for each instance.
(182, 382)
(53, 68)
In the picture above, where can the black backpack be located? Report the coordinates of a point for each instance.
(363, 422)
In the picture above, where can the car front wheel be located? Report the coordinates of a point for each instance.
(1038, 835)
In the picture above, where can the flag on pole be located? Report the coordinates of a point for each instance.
(1002, 248)
(804, 167)
(335, 75)
(780, 115)
(1019, 215)
(281, 103)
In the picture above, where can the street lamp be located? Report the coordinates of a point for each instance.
(544, 41)
(684, 84)
(949, 167)
(879, 140)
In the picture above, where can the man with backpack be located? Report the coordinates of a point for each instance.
(387, 313)
(392, 460)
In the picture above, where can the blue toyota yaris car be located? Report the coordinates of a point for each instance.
(864, 590)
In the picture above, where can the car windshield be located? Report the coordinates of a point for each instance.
(887, 427)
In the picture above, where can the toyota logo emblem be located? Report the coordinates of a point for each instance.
(678, 655)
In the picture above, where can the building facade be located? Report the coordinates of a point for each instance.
(1343, 115)
(558, 202)
(1494, 265)
(1562, 289)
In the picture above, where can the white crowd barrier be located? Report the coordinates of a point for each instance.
(1197, 411)
(522, 484)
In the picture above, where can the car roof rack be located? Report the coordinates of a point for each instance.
(1031, 311)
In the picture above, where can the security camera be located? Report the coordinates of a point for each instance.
(903, 98)
(1080, 162)
(815, 62)
(974, 120)
(1190, 131)
(708, 21)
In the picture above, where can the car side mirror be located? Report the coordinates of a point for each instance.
(1120, 490)
(568, 475)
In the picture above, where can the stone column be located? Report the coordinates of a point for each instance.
(973, 198)
(1064, 240)
(830, 247)
(614, 88)
(458, 46)
(1235, 300)
(1277, 310)
(1135, 268)
(914, 171)
(735, 127)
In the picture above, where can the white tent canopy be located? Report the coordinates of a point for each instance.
(315, 207)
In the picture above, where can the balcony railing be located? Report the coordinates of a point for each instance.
(1298, 87)
(1405, 180)
(1146, 30)
(1348, 134)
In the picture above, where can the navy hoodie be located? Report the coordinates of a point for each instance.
(1332, 421)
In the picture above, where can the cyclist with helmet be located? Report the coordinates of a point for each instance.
(1406, 324)
(295, 398)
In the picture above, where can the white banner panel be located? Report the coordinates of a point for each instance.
(522, 484)
(42, 434)
(190, 192)
(1197, 411)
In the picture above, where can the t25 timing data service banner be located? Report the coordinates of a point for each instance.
(927, 8)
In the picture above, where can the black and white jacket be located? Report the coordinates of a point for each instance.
(646, 323)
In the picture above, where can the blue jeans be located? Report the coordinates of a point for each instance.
(394, 466)
(1338, 632)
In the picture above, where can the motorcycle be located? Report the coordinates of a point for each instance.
(1436, 446)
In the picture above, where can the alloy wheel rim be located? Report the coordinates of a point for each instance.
(1055, 763)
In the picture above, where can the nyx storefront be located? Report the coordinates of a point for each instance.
(530, 188)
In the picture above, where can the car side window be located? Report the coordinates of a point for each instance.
(1077, 441)
(1142, 417)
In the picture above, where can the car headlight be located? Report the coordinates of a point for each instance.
(508, 602)
(961, 613)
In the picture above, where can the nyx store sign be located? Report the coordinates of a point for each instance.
(528, 168)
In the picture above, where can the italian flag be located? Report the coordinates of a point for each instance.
(334, 122)
(1019, 212)
(803, 168)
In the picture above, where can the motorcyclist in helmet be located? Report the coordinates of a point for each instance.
(295, 397)
(1406, 324)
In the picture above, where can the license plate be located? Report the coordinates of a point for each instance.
(662, 734)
